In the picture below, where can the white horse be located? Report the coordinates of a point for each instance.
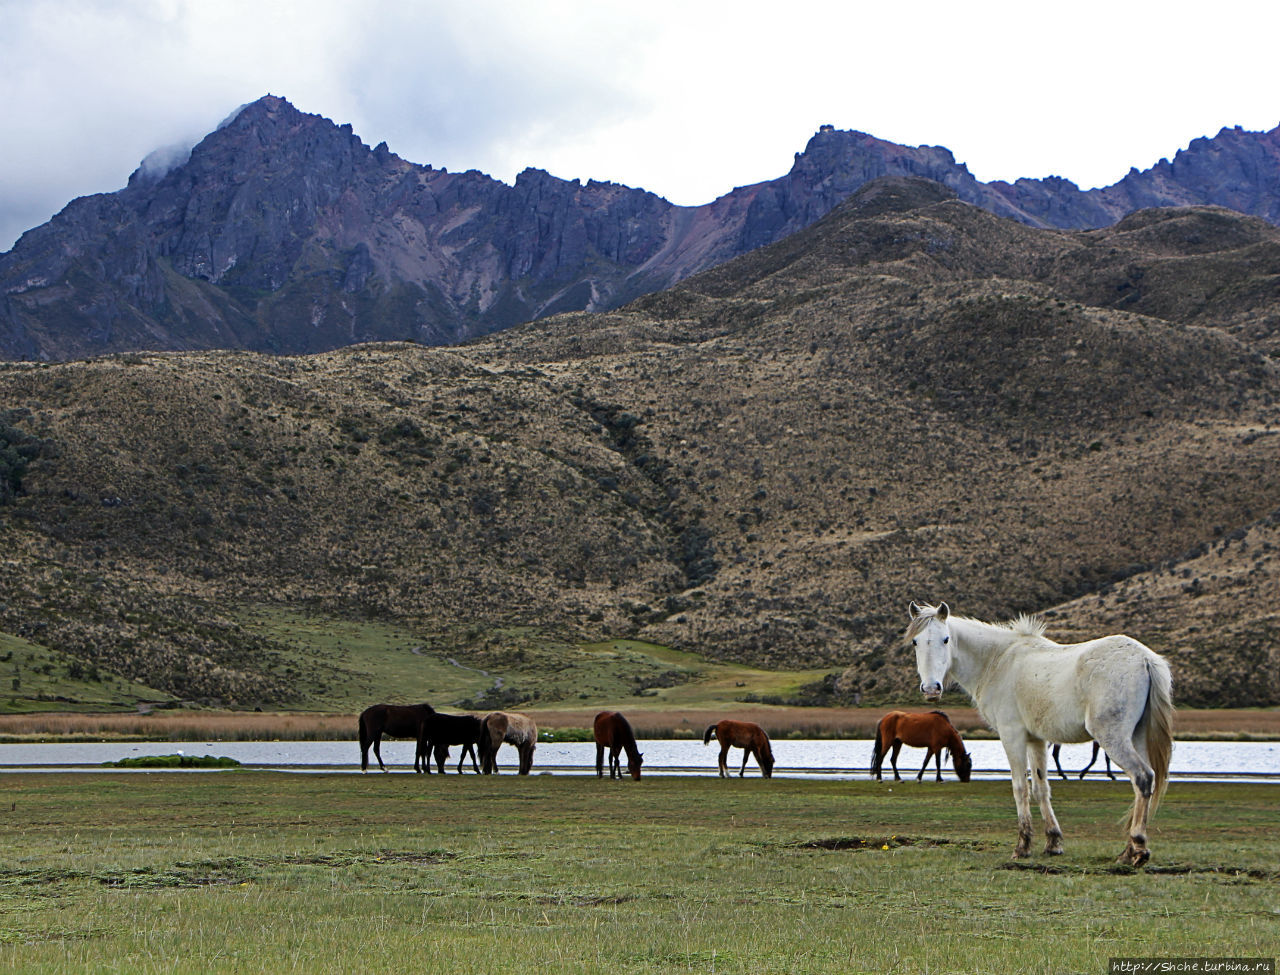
(514, 729)
(1032, 691)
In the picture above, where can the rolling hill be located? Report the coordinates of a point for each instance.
(913, 398)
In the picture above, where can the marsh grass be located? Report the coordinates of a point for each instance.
(249, 871)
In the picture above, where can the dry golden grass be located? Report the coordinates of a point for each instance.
(648, 723)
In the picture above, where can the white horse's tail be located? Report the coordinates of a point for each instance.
(1157, 722)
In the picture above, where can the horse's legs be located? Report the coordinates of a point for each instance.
(526, 757)
(928, 754)
(1134, 762)
(1091, 760)
(893, 758)
(377, 751)
(1040, 789)
(724, 767)
(599, 760)
(474, 765)
(746, 754)
(1015, 750)
(1057, 750)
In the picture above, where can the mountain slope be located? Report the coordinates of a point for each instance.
(910, 399)
(284, 233)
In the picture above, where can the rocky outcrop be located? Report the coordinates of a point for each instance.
(283, 232)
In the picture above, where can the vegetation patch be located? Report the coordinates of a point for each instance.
(174, 761)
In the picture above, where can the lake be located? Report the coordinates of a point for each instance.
(1208, 760)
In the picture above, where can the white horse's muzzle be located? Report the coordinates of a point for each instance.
(932, 691)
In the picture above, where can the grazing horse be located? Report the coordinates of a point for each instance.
(1057, 750)
(1032, 691)
(748, 736)
(613, 731)
(933, 731)
(504, 727)
(397, 721)
(442, 730)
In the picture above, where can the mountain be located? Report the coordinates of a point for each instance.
(283, 232)
(912, 398)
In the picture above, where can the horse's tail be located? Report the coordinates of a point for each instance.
(366, 739)
(1157, 722)
(706, 735)
(877, 755)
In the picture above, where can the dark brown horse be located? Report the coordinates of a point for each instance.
(613, 731)
(748, 736)
(395, 721)
(442, 730)
(931, 730)
(1057, 749)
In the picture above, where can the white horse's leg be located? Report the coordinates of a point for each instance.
(1040, 790)
(1015, 750)
(1142, 776)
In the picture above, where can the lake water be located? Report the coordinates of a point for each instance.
(1208, 760)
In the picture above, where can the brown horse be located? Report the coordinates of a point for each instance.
(748, 736)
(396, 721)
(503, 727)
(613, 731)
(932, 730)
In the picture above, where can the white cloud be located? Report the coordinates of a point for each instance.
(682, 97)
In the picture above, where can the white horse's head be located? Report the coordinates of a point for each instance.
(930, 635)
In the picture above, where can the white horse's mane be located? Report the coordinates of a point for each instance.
(1025, 624)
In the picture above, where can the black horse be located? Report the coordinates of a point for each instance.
(397, 721)
(443, 730)
(1096, 747)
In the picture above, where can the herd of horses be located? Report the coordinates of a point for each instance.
(1033, 692)
(435, 733)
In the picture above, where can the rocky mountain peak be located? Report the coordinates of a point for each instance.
(283, 231)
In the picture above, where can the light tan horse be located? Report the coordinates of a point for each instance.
(513, 729)
(748, 736)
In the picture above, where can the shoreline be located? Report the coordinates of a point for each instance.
(1262, 724)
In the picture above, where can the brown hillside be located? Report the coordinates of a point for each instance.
(912, 399)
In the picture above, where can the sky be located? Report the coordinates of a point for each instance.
(685, 98)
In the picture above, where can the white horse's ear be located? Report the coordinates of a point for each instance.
(915, 609)
(943, 612)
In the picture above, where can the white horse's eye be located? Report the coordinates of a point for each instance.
(913, 643)
(946, 639)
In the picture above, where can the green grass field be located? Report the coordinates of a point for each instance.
(337, 665)
(37, 678)
(345, 666)
(248, 871)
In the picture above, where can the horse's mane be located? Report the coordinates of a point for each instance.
(1025, 624)
(1028, 624)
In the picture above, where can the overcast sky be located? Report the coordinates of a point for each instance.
(687, 99)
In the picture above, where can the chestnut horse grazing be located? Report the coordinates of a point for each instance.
(513, 729)
(1032, 691)
(397, 721)
(932, 731)
(613, 732)
(748, 736)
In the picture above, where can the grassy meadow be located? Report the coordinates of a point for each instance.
(246, 871)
